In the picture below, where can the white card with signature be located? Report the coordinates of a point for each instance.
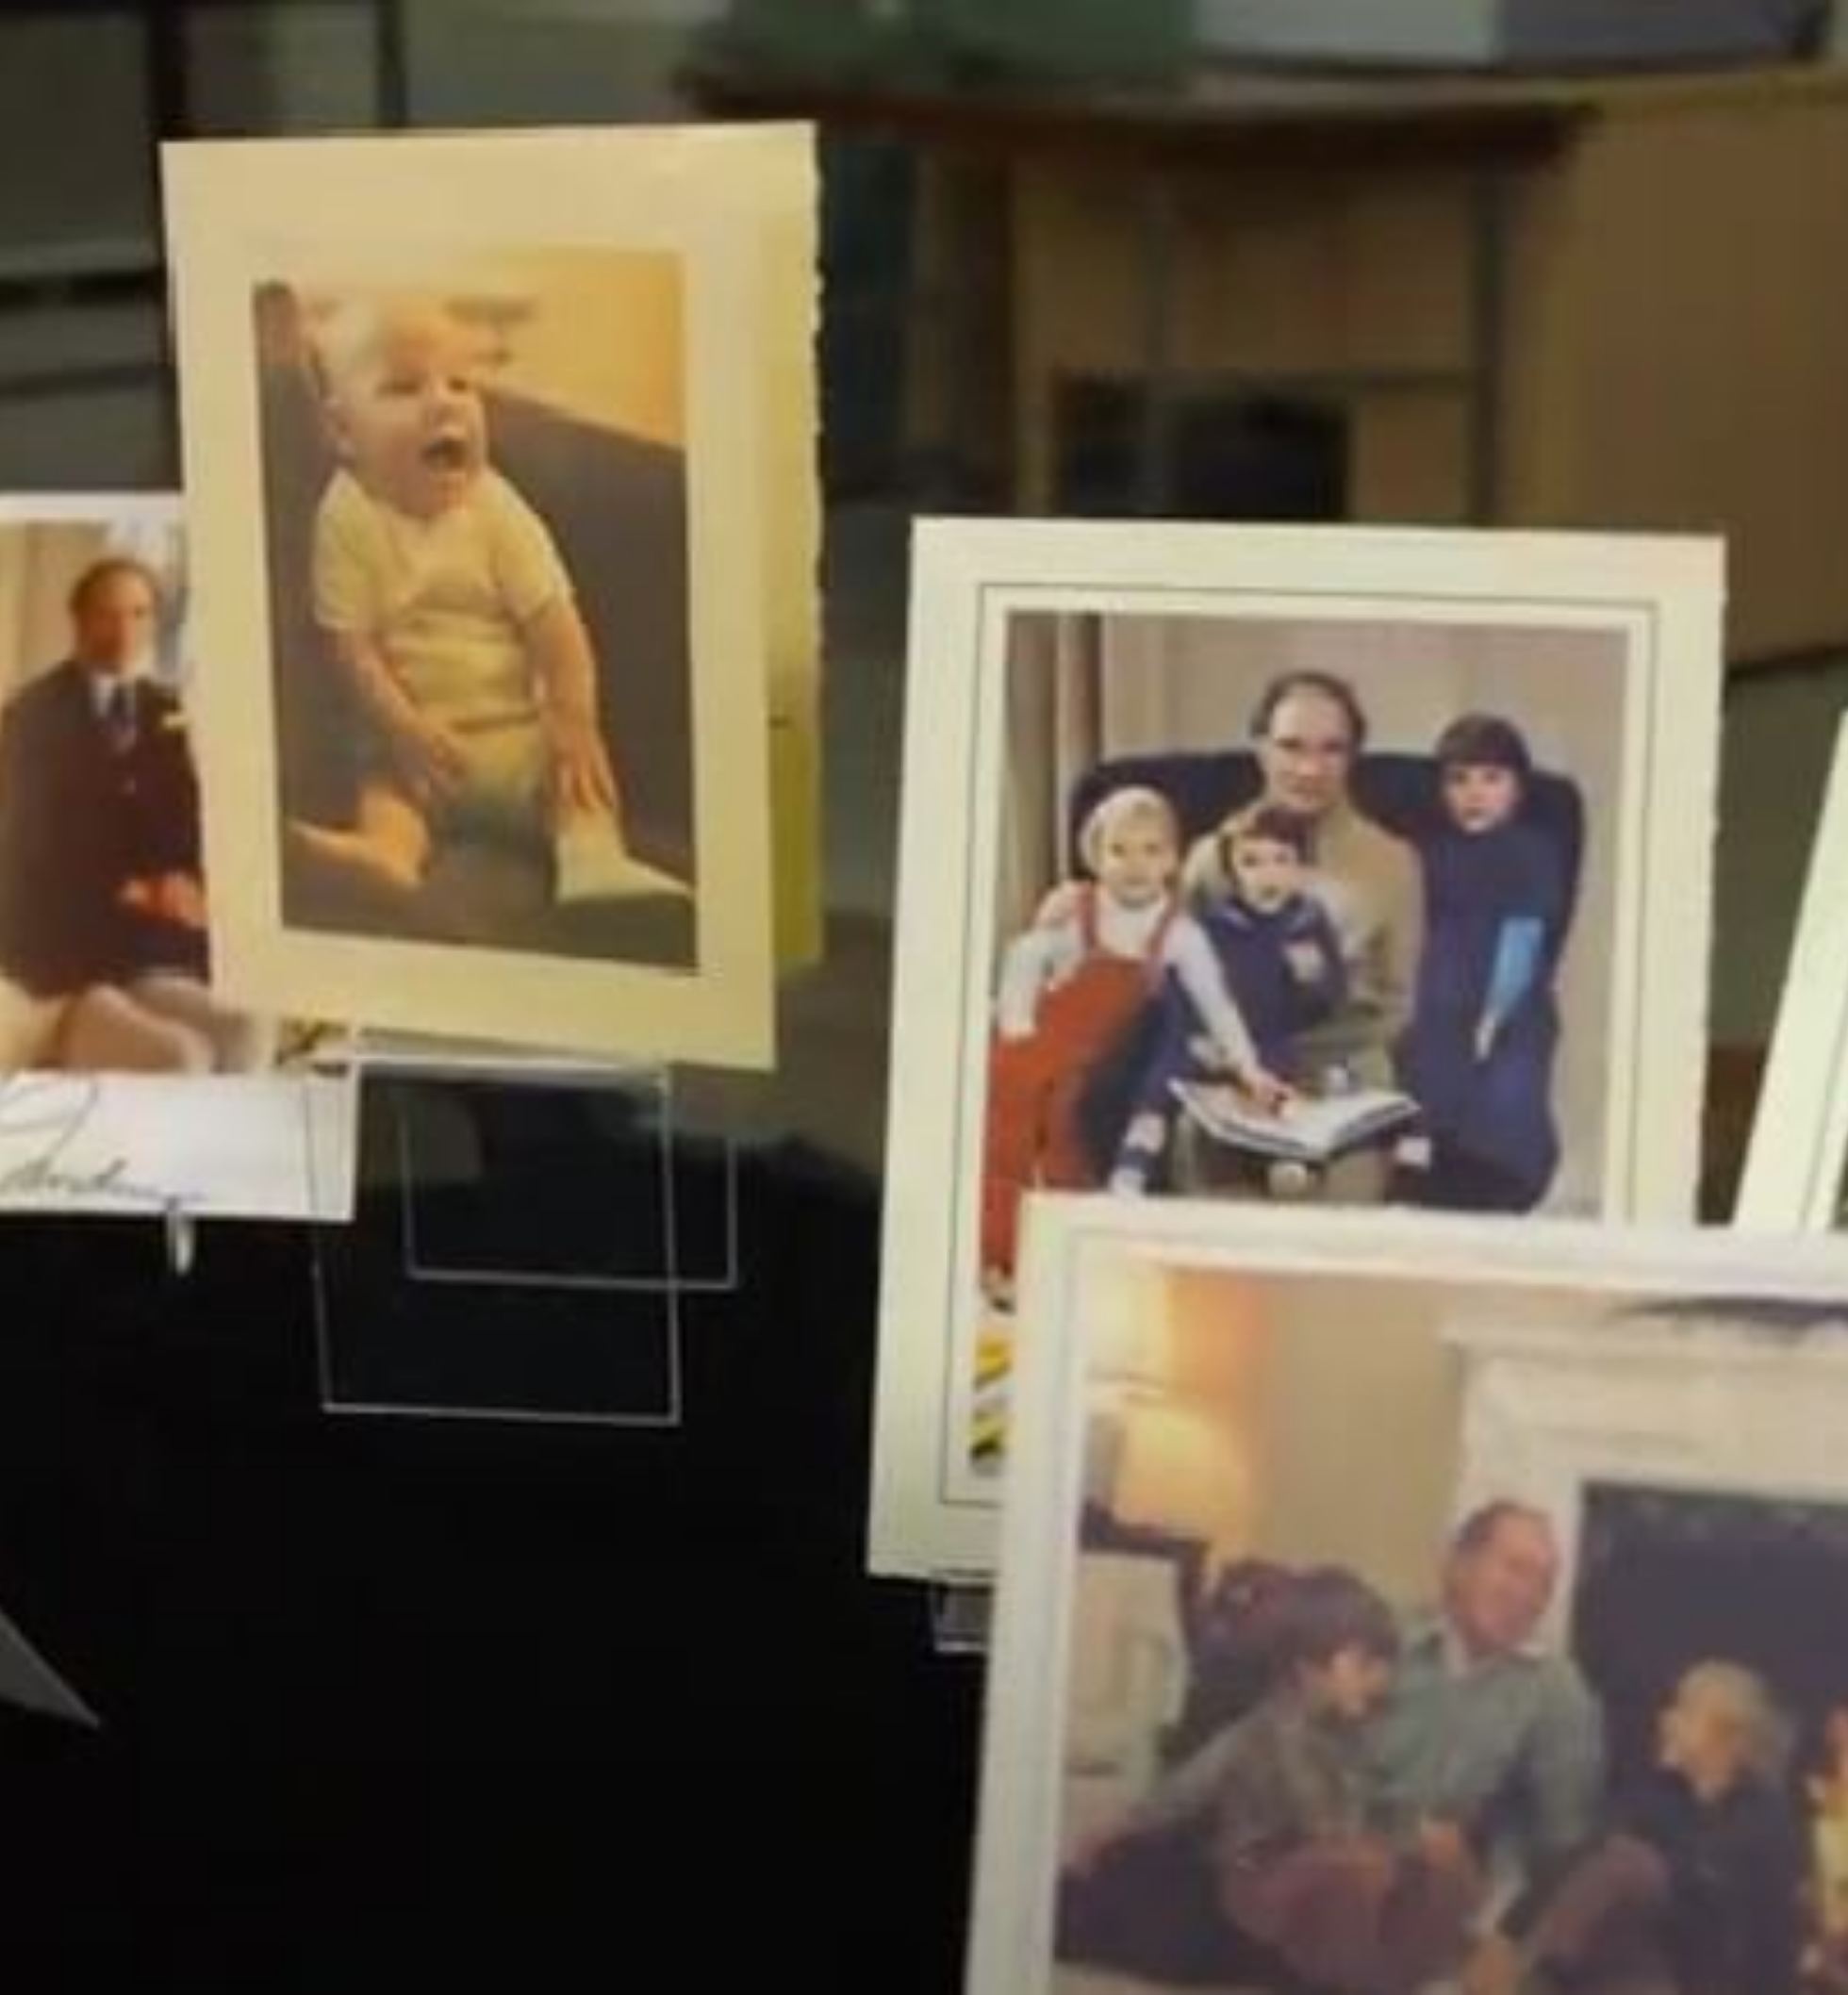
(275, 1146)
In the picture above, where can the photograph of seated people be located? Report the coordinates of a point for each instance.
(1237, 898)
(104, 958)
(1348, 1808)
(481, 647)
(1325, 1740)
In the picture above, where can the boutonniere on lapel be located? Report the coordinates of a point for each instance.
(174, 721)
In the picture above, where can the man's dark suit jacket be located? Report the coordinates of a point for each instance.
(79, 820)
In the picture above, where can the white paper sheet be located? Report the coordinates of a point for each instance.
(278, 1146)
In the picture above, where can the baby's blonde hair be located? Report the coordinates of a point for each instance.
(351, 337)
(1764, 1729)
(1121, 807)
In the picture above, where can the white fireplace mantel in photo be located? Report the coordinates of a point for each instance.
(1714, 1403)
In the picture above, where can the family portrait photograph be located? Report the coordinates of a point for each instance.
(1396, 1632)
(478, 513)
(1315, 867)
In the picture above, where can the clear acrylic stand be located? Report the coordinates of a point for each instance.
(551, 1193)
(959, 1615)
(630, 1199)
(597, 1135)
(704, 1167)
(546, 1187)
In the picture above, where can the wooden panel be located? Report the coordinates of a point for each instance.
(1410, 461)
(1679, 336)
(956, 374)
(1677, 332)
(1319, 271)
(1315, 272)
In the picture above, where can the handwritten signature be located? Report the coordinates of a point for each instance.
(46, 1114)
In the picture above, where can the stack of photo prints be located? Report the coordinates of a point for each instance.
(1420, 1554)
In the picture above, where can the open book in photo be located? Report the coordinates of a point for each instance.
(1308, 1130)
(594, 863)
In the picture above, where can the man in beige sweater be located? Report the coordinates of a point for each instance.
(1309, 729)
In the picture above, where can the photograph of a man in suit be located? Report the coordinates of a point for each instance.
(103, 946)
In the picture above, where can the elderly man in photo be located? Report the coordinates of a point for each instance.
(1307, 730)
(103, 955)
(1487, 1734)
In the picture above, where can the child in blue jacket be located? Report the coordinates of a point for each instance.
(1478, 1053)
(1282, 965)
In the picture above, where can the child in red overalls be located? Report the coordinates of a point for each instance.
(1070, 987)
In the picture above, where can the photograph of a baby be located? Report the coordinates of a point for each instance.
(104, 959)
(1302, 911)
(1333, 1729)
(477, 526)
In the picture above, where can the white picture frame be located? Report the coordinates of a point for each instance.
(1562, 1360)
(1637, 619)
(1792, 1179)
(654, 268)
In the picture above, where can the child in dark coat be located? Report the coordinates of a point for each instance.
(1302, 1864)
(1479, 1054)
(1282, 962)
(1697, 1890)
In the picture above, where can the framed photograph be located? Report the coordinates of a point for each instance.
(1274, 864)
(1401, 1601)
(1793, 1176)
(476, 433)
(126, 1080)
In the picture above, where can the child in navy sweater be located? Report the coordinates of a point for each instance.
(1281, 960)
(1479, 1054)
(1304, 1859)
(1696, 1886)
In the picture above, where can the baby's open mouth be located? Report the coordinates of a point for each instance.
(447, 453)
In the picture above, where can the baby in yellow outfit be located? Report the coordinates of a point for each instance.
(443, 595)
